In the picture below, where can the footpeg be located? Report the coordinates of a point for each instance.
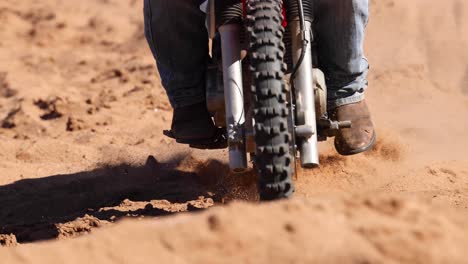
(330, 128)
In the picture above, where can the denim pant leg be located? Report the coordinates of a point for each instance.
(176, 33)
(340, 27)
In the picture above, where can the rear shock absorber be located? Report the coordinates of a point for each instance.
(229, 16)
(300, 18)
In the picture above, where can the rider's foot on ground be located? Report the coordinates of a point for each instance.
(192, 124)
(361, 136)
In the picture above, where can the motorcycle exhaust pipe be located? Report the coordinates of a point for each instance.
(234, 95)
(306, 123)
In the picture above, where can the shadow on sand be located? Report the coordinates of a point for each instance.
(32, 209)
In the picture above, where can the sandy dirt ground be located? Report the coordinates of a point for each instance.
(87, 177)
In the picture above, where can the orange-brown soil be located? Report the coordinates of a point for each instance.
(87, 177)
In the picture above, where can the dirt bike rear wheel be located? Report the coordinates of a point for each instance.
(273, 159)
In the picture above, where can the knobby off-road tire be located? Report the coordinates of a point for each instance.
(273, 159)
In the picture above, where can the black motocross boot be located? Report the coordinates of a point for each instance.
(194, 126)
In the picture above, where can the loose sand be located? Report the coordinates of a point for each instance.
(82, 155)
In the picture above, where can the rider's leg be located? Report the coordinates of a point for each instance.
(340, 27)
(176, 33)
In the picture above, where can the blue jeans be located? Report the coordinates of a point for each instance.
(176, 33)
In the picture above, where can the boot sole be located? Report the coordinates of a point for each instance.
(357, 151)
(217, 141)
